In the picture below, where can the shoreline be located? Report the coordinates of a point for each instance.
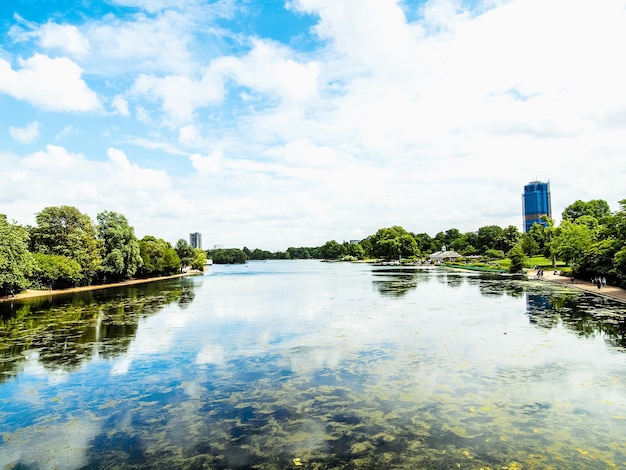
(30, 293)
(610, 292)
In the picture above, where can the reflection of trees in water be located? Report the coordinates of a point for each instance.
(586, 315)
(67, 330)
(395, 282)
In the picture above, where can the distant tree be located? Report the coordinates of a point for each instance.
(510, 237)
(332, 250)
(159, 257)
(121, 256)
(299, 253)
(490, 237)
(597, 208)
(65, 231)
(354, 250)
(394, 243)
(199, 259)
(16, 262)
(227, 256)
(528, 244)
(185, 252)
(517, 257)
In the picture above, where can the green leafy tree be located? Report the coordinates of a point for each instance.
(158, 256)
(55, 271)
(597, 208)
(510, 237)
(199, 259)
(517, 257)
(355, 250)
(227, 256)
(490, 237)
(394, 243)
(16, 262)
(65, 231)
(121, 256)
(332, 250)
(573, 241)
(528, 243)
(185, 252)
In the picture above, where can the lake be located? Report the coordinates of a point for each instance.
(305, 364)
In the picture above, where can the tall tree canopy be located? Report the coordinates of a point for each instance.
(121, 256)
(16, 262)
(65, 231)
(597, 208)
(393, 243)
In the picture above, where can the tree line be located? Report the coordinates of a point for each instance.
(66, 248)
(590, 239)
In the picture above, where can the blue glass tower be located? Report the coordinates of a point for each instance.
(535, 203)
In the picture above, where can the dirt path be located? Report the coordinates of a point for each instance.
(612, 292)
(43, 293)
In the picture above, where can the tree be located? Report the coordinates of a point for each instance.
(158, 256)
(597, 208)
(517, 257)
(199, 259)
(55, 271)
(394, 243)
(332, 250)
(490, 238)
(573, 241)
(65, 231)
(16, 262)
(121, 256)
(185, 252)
(510, 237)
(227, 256)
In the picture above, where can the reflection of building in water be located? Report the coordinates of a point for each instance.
(539, 309)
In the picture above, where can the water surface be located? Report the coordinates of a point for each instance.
(292, 364)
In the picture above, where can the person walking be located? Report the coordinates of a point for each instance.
(603, 281)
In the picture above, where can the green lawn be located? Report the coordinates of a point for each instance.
(539, 261)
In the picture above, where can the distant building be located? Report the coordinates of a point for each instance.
(444, 255)
(535, 203)
(195, 240)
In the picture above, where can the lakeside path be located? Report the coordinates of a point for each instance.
(611, 292)
(29, 293)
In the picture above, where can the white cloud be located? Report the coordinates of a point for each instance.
(25, 135)
(209, 165)
(64, 37)
(52, 84)
(120, 105)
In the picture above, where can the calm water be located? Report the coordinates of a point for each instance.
(315, 365)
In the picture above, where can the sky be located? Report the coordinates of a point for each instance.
(270, 124)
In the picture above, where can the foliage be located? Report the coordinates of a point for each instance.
(517, 257)
(394, 243)
(65, 231)
(332, 250)
(227, 256)
(55, 272)
(198, 259)
(16, 261)
(121, 256)
(185, 252)
(596, 208)
(573, 241)
(159, 257)
(494, 254)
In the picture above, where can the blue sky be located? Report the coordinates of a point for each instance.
(273, 124)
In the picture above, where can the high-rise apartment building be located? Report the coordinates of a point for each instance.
(195, 240)
(535, 203)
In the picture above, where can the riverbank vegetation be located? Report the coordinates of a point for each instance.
(66, 248)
